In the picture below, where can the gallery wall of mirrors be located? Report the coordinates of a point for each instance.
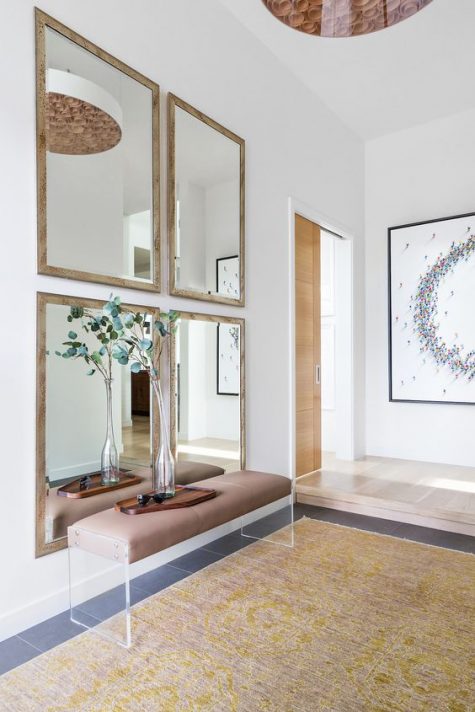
(98, 137)
(72, 419)
(207, 390)
(206, 186)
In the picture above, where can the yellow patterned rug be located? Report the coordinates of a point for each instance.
(347, 621)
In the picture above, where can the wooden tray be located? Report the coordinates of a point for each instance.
(184, 497)
(127, 479)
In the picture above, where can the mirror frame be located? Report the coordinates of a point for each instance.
(192, 316)
(173, 102)
(42, 21)
(43, 299)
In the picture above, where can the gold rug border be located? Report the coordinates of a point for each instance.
(92, 632)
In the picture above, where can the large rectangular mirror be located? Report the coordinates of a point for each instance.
(206, 207)
(207, 391)
(97, 163)
(72, 417)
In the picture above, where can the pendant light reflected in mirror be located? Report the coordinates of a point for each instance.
(342, 18)
(82, 118)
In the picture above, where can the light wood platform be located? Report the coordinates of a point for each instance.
(428, 494)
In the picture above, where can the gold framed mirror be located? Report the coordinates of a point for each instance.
(98, 168)
(72, 420)
(208, 390)
(206, 207)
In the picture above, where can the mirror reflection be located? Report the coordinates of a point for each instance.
(99, 164)
(207, 202)
(76, 421)
(208, 394)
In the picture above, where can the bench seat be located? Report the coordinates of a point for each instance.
(238, 493)
(64, 511)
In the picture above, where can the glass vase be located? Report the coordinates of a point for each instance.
(109, 456)
(163, 480)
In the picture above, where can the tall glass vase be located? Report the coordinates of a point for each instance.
(163, 480)
(109, 457)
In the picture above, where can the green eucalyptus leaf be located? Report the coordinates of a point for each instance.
(117, 300)
(72, 352)
(145, 344)
(91, 372)
(128, 320)
(124, 360)
(69, 318)
(135, 367)
(118, 326)
(77, 312)
(58, 353)
(72, 335)
(96, 357)
(138, 318)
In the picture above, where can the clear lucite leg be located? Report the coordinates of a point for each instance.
(107, 614)
(276, 528)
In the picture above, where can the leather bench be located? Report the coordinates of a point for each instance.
(64, 511)
(238, 493)
(126, 539)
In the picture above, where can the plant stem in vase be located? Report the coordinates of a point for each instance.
(109, 456)
(164, 465)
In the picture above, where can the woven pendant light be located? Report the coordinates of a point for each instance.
(343, 18)
(81, 117)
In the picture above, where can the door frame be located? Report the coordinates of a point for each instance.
(345, 389)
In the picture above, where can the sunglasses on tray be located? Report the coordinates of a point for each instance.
(144, 499)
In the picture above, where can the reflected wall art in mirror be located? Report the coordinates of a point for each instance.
(207, 391)
(74, 422)
(206, 187)
(97, 163)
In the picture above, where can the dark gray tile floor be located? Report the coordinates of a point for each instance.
(44, 636)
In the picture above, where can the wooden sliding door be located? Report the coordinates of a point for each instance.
(307, 346)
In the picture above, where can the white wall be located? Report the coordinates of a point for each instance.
(420, 174)
(222, 226)
(295, 147)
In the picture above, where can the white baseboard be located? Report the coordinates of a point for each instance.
(40, 610)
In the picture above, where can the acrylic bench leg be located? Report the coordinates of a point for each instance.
(265, 529)
(117, 628)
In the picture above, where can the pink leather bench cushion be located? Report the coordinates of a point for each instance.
(146, 534)
(65, 511)
(188, 471)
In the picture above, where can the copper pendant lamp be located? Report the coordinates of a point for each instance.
(81, 117)
(343, 18)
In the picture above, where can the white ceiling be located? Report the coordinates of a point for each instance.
(409, 74)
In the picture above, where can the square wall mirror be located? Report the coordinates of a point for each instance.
(206, 207)
(72, 422)
(97, 162)
(207, 391)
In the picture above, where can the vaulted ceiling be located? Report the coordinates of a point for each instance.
(409, 74)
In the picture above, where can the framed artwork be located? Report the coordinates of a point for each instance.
(227, 276)
(431, 323)
(228, 360)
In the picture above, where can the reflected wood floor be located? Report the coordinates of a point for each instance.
(441, 496)
(136, 441)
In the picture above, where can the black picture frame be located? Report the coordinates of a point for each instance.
(219, 392)
(390, 231)
(224, 259)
